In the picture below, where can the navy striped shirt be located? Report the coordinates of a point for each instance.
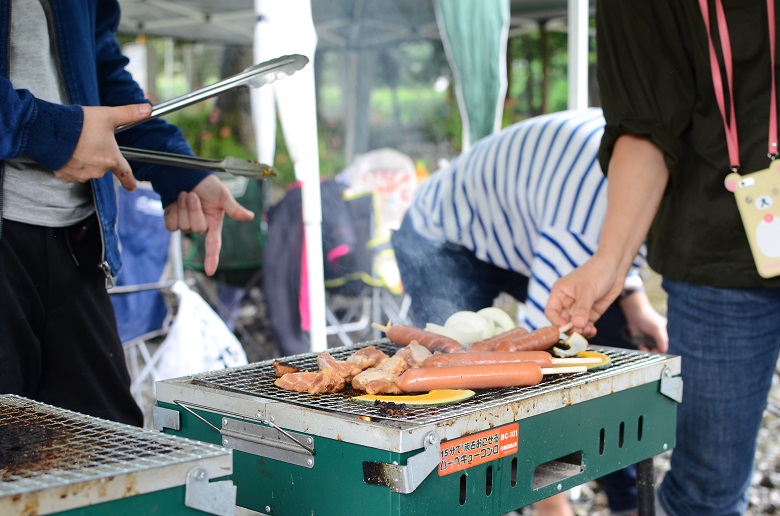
(530, 199)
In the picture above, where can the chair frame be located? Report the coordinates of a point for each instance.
(375, 304)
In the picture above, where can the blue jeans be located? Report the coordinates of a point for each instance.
(728, 340)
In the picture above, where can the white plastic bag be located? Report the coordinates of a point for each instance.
(198, 339)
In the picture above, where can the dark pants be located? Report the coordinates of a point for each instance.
(443, 279)
(59, 342)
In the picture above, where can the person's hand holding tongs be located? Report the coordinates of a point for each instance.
(202, 209)
(253, 77)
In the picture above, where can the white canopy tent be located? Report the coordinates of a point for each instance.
(276, 28)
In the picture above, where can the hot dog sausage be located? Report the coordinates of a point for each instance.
(481, 376)
(489, 344)
(543, 358)
(403, 335)
(537, 340)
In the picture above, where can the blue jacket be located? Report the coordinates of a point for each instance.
(93, 70)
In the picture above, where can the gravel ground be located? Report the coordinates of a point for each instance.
(588, 499)
(764, 495)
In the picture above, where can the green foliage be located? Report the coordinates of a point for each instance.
(212, 140)
(527, 74)
(208, 139)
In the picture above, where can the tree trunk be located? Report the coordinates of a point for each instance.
(235, 110)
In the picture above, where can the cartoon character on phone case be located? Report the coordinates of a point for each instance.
(758, 200)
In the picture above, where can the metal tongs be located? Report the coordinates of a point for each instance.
(254, 77)
(228, 165)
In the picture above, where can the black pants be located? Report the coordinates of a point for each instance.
(58, 337)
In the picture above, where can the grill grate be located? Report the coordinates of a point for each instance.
(42, 446)
(258, 380)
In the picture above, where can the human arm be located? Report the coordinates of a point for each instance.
(116, 87)
(644, 320)
(637, 179)
(647, 85)
(76, 142)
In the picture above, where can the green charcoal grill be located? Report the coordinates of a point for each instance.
(301, 454)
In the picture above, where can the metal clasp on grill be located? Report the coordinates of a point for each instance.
(267, 442)
(671, 386)
(210, 497)
(266, 439)
(405, 479)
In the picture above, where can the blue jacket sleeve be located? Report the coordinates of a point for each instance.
(117, 87)
(29, 125)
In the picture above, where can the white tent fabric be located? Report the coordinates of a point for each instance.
(284, 28)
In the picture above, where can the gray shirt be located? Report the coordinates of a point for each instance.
(32, 194)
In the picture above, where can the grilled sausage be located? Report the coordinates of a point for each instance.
(489, 344)
(403, 335)
(481, 376)
(543, 358)
(537, 340)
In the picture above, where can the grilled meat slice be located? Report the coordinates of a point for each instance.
(414, 354)
(313, 382)
(345, 369)
(281, 368)
(376, 381)
(395, 365)
(367, 357)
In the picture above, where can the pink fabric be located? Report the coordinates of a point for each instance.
(303, 299)
(772, 151)
(730, 122)
(338, 252)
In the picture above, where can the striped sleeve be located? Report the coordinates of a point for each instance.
(558, 252)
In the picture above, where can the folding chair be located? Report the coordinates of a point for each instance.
(357, 294)
(391, 177)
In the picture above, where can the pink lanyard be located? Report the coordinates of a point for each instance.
(730, 122)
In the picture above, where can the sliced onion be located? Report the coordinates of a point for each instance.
(574, 344)
(447, 332)
(501, 320)
(473, 326)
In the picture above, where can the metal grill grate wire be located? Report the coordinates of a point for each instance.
(257, 380)
(42, 446)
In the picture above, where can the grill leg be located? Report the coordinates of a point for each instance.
(645, 487)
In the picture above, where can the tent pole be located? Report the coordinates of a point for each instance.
(578, 54)
(287, 28)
